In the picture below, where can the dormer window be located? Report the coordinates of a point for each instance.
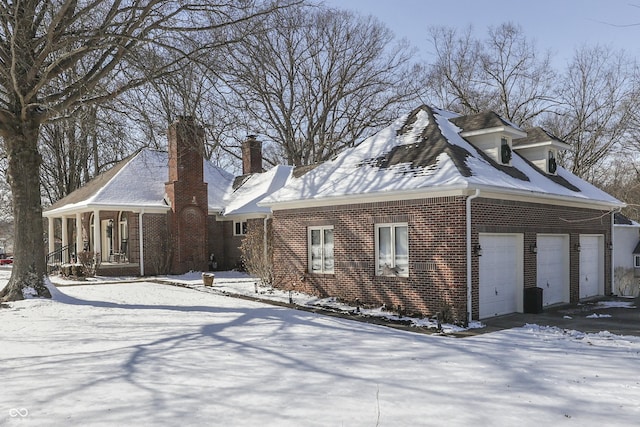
(552, 165)
(505, 151)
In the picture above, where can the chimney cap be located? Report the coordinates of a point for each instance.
(252, 136)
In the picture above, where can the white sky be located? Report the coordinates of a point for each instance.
(559, 25)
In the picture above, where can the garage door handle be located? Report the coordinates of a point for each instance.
(496, 289)
(547, 284)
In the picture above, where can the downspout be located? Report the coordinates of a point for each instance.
(469, 270)
(264, 238)
(140, 236)
(613, 247)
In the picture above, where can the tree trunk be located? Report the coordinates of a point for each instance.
(23, 173)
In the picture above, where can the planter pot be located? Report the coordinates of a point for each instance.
(207, 279)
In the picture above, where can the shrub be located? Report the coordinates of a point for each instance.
(255, 258)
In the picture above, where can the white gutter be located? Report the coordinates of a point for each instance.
(469, 270)
(141, 243)
(491, 191)
(82, 208)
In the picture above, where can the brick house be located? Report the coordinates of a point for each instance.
(468, 215)
(157, 212)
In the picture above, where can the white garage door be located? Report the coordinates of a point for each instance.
(553, 268)
(500, 274)
(591, 265)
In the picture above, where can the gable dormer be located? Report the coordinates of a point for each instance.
(541, 149)
(491, 134)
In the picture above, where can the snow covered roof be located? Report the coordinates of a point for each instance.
(424, 152)
(538, 136)
(253, 189)
(138, 182)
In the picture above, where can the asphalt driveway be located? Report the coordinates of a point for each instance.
(617, 315)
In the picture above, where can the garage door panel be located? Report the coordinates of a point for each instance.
(553, 268)
(591, 266)
(500, 274)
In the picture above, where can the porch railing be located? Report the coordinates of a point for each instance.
(58, 257)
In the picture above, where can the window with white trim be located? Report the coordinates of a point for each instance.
(636, 261)
(320, 241)
(239, 228)
(392, 249)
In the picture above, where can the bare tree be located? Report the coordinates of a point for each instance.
(78, 147)
(597, 105)
(194, 91)
(315, 80)
(504, 72)
(456, 81)
(105, 42)
(623, 182)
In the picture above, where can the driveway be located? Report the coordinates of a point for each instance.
(620, 316)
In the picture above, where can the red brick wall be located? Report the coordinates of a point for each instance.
(224, 244)
(157, 241)
(501, 216)
(436, 254)
(437, 248)
(231, 255)
(216, 240)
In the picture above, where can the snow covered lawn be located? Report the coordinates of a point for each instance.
(151, 354)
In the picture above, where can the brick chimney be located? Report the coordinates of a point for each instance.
(251, 155)
(187, 192)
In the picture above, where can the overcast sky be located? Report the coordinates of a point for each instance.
(559, 25)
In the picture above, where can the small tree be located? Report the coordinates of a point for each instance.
(257, 258)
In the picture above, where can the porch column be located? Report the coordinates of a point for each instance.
(65, 239)
(97, 245)
(51, 235)
(79, 242)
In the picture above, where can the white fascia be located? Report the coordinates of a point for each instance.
(447, 191)
(499, 129)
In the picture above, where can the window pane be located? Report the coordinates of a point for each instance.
(328, 250)
(316, 251)
(244, 228)
(402, 249)
(384, 247)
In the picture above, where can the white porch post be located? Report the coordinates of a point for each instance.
(65, 239)
(97, 244)
(79, 242)
(51, 238)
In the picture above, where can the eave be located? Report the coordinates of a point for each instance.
(486, 191)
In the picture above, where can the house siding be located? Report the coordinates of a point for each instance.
(437, 249)
(437, 267)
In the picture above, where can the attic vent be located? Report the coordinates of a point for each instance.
(553, 165)
(505, 151)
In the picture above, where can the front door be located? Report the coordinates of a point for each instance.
(106, 244)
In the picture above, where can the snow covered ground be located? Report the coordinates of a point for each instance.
(151, 354)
